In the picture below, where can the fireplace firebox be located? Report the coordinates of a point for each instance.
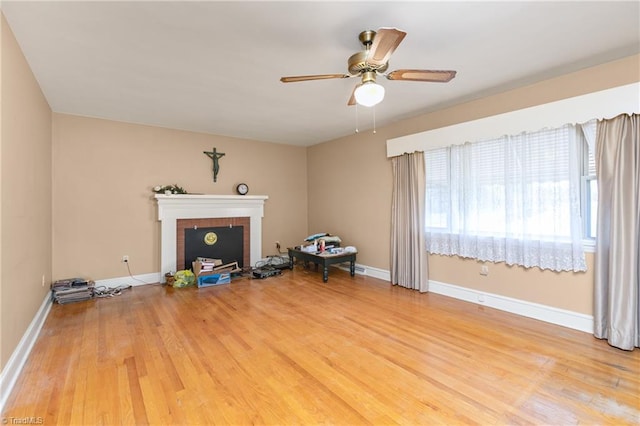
(224, 243)
(226, 238)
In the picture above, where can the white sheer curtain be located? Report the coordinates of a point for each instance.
(514, 199)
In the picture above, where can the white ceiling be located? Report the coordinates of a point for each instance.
(214, 67)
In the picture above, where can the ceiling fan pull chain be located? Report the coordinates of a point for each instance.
(357, 119)
(374, 119)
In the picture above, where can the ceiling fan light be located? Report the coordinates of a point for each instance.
(369, 94)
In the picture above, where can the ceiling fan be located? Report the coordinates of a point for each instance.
(374, 61)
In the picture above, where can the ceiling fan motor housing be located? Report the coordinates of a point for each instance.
(357, 63)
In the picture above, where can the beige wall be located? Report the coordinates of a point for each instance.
(25, 195)
(354, 200)
(103, 206)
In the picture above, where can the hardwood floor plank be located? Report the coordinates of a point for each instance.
(135, 390)
(124, 414)
(294, 350)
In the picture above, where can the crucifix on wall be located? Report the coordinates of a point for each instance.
(215, 156)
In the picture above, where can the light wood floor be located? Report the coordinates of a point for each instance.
(292, 350)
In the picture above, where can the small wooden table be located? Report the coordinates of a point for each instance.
(324, 259)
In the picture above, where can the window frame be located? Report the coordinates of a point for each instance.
(587, 175)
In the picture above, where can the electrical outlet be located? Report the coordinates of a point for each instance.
(484, 270)
(43, 280)
(125, 258)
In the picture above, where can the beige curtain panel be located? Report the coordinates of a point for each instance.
(408, 249)
(617, 268)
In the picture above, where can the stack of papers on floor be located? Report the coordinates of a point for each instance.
(206, 266)
(72, 290)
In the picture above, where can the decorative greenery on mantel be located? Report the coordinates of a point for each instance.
(169, 189)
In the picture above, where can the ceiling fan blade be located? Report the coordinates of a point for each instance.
(352, 99)
(293, 79)
(384, 44)
(422, 75)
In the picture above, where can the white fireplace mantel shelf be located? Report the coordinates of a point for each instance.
(189, 206)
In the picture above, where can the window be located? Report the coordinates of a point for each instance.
(591, 207)
(515, 199)
(589, 188)
(437, 193)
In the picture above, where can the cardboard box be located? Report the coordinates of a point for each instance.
(214, 279)
(202, 267)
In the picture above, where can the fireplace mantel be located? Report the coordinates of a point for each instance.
(188, 206)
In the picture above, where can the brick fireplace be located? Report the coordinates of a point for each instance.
(177, 211)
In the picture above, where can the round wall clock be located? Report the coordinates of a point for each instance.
(242, 188)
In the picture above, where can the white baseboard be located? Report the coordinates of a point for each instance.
(18, 358)
(369, 271)
(565, 318)
(134, 280)
(381, 274)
